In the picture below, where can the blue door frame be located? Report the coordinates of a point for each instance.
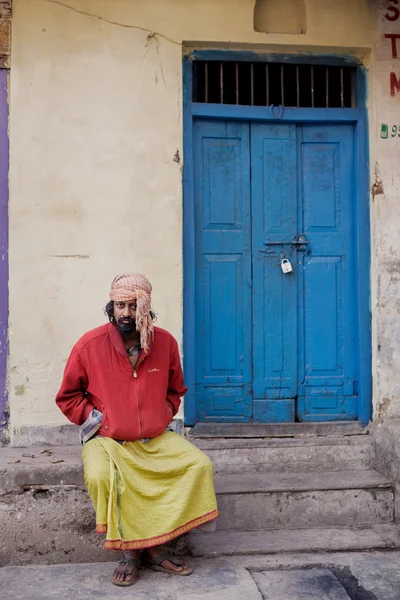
(356, 116)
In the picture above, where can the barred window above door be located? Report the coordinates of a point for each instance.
(278, 84)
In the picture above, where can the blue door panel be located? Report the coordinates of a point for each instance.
(224, 403)
(273, 411)
(327, 381)
(274, 216)
(323, 318)
(275, 347)
(223, 271)
(324, 408)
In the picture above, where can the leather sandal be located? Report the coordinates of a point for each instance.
(129, 564)
(155, 564)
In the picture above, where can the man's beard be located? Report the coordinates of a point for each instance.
(126, 327)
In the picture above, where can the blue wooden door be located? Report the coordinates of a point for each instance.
(327, 276)
(275, 347)
(274, 227)
(223, 271)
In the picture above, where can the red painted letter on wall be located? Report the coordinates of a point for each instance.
(393, 13)
(394, 84)
(394, 37)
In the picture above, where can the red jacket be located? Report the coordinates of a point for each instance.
(135, 404)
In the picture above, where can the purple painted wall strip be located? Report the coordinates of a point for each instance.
(4, 163)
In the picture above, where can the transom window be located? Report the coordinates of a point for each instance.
(278, 84)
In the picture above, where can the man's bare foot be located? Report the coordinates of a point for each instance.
(126, 572)
(170, 563)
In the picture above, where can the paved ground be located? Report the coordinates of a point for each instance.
(339, 576)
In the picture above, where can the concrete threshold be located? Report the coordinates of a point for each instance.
(265, 430)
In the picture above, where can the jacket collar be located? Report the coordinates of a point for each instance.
(116, 339)
(118, 342)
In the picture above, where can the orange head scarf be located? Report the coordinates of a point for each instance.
(135, 286)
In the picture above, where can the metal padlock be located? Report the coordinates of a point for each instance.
(286, 266)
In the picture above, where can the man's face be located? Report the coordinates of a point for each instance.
(125, 317)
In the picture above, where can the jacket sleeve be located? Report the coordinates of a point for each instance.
(71, 398)
(176, 385)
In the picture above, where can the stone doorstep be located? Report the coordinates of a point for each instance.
(287, 510)
(22, 467)
(55, 489)
(323, 539)
(260, 430)
(247, 443)
(339, 498)
(330, 453)
(242, 483)
(291, 500)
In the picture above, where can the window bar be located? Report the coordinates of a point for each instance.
(221, 82)
(282, 88)
(327, 86)
(341, 88)
(252, 83)
(312, 87)
(298, 85)
(353, 83)
(267, 83)
(206, 82)
(237, 83)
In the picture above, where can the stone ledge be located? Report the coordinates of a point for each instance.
(41, 466)
(45, 512)
(58, 435)
(36, 435)
(46, 516)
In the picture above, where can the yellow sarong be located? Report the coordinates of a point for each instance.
(146, 494)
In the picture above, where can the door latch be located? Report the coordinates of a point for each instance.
(296, 241)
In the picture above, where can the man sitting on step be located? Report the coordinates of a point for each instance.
(122, 385)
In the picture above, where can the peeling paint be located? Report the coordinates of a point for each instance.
(79, 256)
(20, 389)
(377, 186)
(383, 407)
(393, 268)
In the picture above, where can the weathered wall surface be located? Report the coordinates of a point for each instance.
(385, 213)
(5, 49)
(95, 179)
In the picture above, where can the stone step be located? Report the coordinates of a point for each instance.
(252, 501)
(230, 543)
(260, 430)
(46, 515)
(331, 453)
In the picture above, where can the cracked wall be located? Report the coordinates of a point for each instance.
(95, 179)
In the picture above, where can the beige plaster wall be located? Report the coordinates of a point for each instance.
(385, 218)
(95, 124)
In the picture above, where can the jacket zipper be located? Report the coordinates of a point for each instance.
(135, 376)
